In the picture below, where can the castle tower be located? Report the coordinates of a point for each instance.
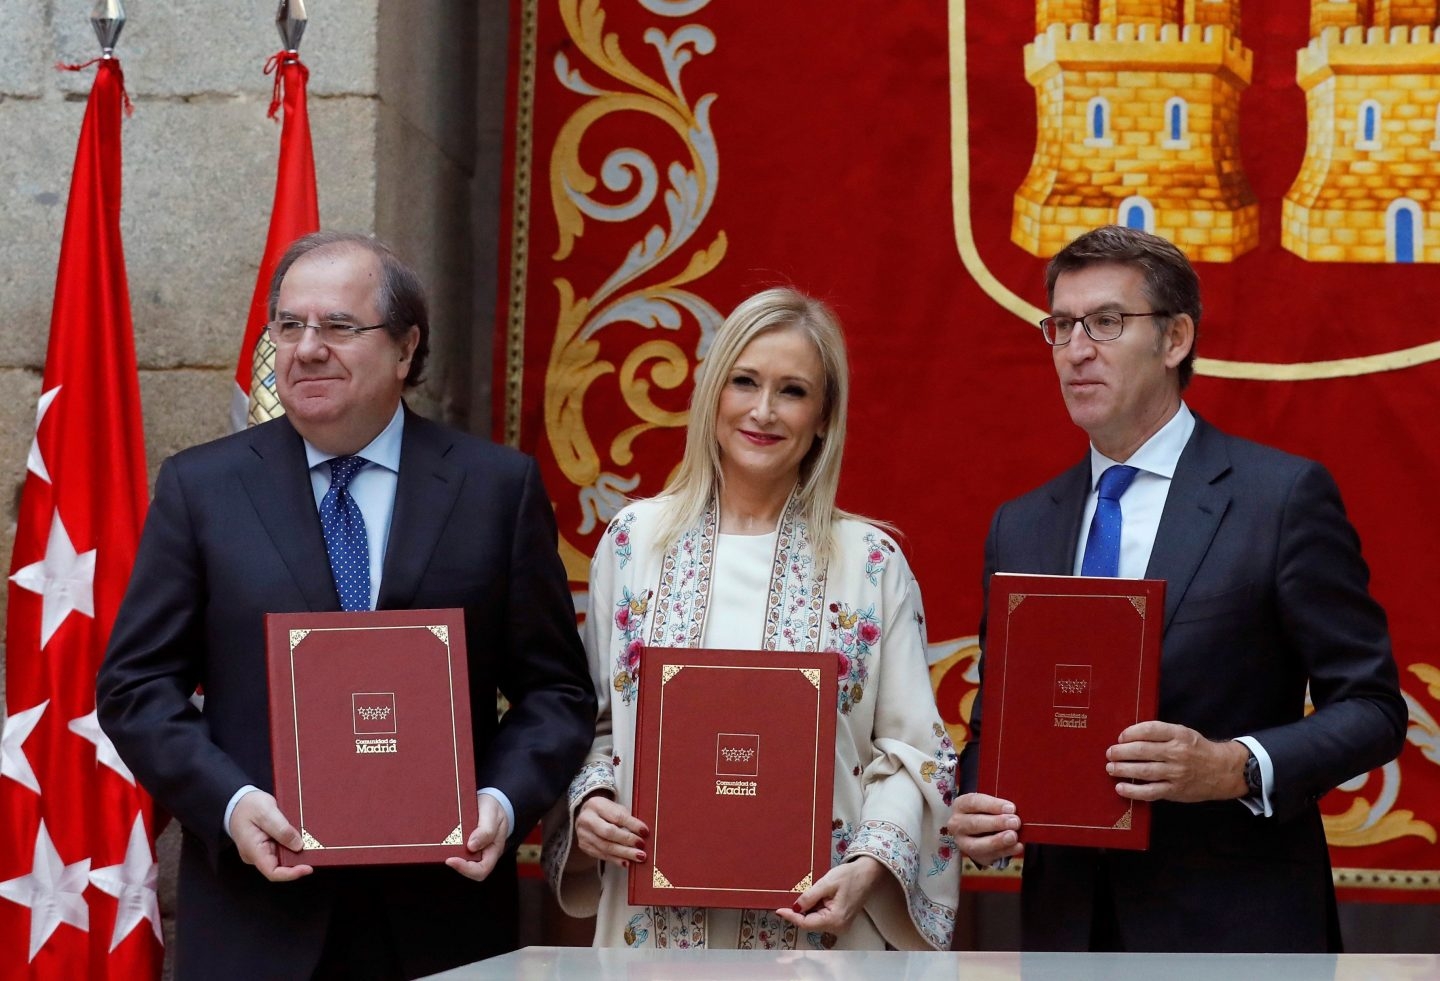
(1049, 12)
(1369, 187)
(1338, 13)
(1204, 12)
(1138, 118)
(1140, 11)
(1404, 13)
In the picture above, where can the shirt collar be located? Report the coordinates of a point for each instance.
(383, 450)
(1159, 454)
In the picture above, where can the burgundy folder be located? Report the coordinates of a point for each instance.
(370, 735)
(1070, 661)
(734, 775)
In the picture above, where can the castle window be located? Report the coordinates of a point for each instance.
(1435, 143)
(1367, 126)
(1136, 212)
(1177, 125)
(1097, 123)
(1404, 231)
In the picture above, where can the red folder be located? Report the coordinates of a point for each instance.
(1070, 661)
(370, 735)
(734, 775)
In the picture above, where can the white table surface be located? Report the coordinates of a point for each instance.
(543, 963)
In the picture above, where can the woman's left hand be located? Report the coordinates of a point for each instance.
(832, 904)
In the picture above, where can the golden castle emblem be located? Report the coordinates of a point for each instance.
(1138, 109)
(1366, 189)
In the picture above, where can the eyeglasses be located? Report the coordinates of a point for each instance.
(1103, 326)
(332, 333)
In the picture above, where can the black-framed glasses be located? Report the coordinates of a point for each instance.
(1105, 325)
(332, 333)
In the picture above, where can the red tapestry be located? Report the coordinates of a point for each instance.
(914, 163)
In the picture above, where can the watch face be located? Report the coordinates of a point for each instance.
(1252, 776)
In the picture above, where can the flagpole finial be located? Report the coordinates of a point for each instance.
(108, 19)
(291, 20)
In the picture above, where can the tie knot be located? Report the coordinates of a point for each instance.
(1115, 481)
(344, 468)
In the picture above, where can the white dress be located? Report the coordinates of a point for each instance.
(894, 762)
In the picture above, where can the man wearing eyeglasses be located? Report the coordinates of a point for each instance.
(349, 501)
(1266, 594)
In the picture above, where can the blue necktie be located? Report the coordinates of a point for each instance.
(1102, 548)
(345, 538)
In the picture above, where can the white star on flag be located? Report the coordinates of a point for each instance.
(53, 891)
(87, 727)
(133, 886)
(36, 463)
(65, 579)
(13, 761)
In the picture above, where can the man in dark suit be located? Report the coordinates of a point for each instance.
(235, 531)
(1266, 594)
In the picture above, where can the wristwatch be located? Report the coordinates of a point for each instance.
(1253, 786)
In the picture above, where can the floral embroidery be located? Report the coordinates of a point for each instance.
(853, 634)
(555, 850)
(679, 926)
(763, 930)
(792, 618)
(888, 843)
(940, 861)
(629, 620)
(553, 854)
(841, 834)
(877, 551)
(593, 776)
(685, 587)
(619, 530)
(940, 771)
(637, 930)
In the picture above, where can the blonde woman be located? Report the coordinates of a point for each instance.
(760, 557)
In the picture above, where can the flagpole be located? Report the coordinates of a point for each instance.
(295, 212)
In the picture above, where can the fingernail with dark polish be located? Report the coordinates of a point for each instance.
(796, 907)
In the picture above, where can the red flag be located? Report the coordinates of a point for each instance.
(293, 214)
(77, 865)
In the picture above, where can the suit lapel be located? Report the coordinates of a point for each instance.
(278, 483)
(1197, 501)
(424, 497)
(1059, 534)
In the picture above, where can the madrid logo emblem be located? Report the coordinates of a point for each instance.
(1298, 165)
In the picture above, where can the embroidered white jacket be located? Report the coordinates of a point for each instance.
(894, 761)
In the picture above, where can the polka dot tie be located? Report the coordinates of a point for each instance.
(345, 539)
(1102, 548)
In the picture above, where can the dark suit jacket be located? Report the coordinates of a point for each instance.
(232, 534)
(1266, 592)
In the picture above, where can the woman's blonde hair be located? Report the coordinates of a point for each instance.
(697, 480)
